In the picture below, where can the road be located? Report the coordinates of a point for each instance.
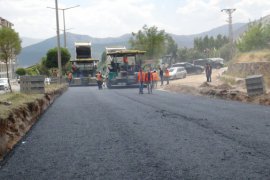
(119, 134)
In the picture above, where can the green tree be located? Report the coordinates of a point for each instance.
(255, 38)
(171, 49)
(151, 40)
(10, 45)
(209, 45)
(51, 58)
(20, 71)
(185, 54)
(103, 57)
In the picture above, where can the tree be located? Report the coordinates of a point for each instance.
(171, 49)
(185, 54)
(255, 38)
(21, 71)
(151, 40)
(10, 45)
(51, 57)
(210, 45)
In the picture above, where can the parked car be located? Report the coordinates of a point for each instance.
(47, 81)
(4, 84)
(190, 68)
(214, 62)
(177, 72)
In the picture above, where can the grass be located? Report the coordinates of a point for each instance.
(20, 99)
(228, 80)
(254, 56)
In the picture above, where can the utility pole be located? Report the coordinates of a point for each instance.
(58, 43)
(64, 21)
(229, 12)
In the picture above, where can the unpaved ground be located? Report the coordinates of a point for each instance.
(197, 85)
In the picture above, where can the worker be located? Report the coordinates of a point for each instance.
(208, 72)
(74, 69)
(149, 81)
(167, 75)
(141, 79)
(161, 75)
(99, 80)
(69, 78)
(155, 78)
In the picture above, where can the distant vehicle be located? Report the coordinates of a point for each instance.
(4, 84)
(190, 68)
(216, 63)
(47, 80)
(85, 65)
(123, 66)
(177, 72)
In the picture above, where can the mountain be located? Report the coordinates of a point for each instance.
(32, 54)
(187, 40)
(29, 41)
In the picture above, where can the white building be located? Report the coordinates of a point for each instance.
(12, 62)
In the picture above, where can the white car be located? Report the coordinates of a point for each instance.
(4, 84)
(47, 81)
(177, 72)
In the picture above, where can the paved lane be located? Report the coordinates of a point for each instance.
(119, 134)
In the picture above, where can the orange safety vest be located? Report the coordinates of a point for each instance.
(155, 76)
(146, 77)
(167, 73)
(141, 76)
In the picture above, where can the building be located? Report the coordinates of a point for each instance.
(5, 23)
(12, 62)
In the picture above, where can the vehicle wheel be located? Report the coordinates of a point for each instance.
(184, 76)
(174, 77)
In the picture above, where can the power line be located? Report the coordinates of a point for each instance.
(229, 12)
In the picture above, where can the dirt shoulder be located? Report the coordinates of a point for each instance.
(219, 88)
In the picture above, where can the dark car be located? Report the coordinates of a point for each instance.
(190, 68)
(214, 62)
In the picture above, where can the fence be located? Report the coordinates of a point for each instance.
(32, 84)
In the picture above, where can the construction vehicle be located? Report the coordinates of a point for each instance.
(123, 66)
(83, 66)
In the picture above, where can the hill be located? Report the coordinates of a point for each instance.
(32, 54)
(29, 41)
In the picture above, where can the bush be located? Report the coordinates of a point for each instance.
(21, 71)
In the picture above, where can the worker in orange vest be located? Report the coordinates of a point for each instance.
(99, 80)
(167, 75)
(69, 77)
(149, 81)
(141, 79)
(155, 78)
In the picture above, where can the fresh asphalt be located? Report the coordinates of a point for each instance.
(119, 134)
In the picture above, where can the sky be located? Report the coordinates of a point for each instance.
(113, 18)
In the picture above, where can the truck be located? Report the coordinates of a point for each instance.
(83, 66)
(123, 66)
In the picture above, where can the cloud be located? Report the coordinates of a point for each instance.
(202, 15)
(103, 18)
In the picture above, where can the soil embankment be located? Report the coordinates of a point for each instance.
(196, 85)
(20, 119)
